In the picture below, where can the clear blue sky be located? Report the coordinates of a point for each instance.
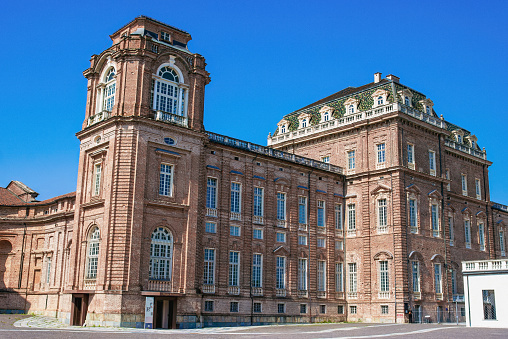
(266, 59)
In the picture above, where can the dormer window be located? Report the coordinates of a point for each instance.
(326, 116)
(406, 100)
(304, 123)
(351, 109)
(379, 100)
(427, 105)
(165, 36)
(427, 110)
(459, 138)
(406, 96)
(379, 97)
(283, 129)
(109, 90)
(473, 144)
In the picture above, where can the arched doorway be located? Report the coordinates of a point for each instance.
(5, 250)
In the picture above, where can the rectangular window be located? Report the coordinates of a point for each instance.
(209, 275)
(352, 278)
(501, 243)
(321, 275)
(384, 309)
(435, 220)
(281, 206)
(451, 230)
(384, 282)
(340, 309)
(352, 309)
(234, 231)
(166, 182)
(234, 267)
(478, 189)
(280, 273)
(454, 281)
(256, 308)
(325, 160)
(351, 165)
(432, 163)
(211, 193)
(481, 236)
(164, 36)
(257, 270)
(380, 153)
(463, 179)
(339, 283)
(281, 308)
(302, 274)
(413, 215)
(97, 179)
(382, 215)
(351, 217)
(208, 305)
(257, 233)
(339, 245)
(467, 233)
(489, 305)
(210, 227)
(280, 237)
(258, 201)
(236, 197)
(322, 309)
(321, 242)
(437, 278)
(321, 213)
(233, 306)
(302, 210)
(48, 270)
(447, 174)
(338, 217)
(302, 240)
(415, 267)
(410, 154)
(303, 308)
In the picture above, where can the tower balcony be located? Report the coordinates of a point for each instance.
(171, 118)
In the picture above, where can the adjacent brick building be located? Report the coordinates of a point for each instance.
(361, 208)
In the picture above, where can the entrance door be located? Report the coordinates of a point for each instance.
(165, 315)
(79, 308)
(417, 315)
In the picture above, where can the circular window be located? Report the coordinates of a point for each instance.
(169, 141)
(98, 139)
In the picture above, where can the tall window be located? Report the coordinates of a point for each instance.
(97, 179)
(384, 282)
(302, 210)
(304, 123)
(281, 206)
(432, 162)
(463, 179)
(109, 91)
(351, 109)
(410, 154)
(326, 116)
(302, 240)
(415, 268)
(283, 129)
(234, 265)
(406, 101)
(380, 100)
(451, 230)
(352, 278)
(351, 217)
(447, 174)
(209, 274)
(413, 215)
(339, 284)
(454, 281)
(169, 96)
(211, 193)
(166, 180)
(258, 201)
(467, 233)
(380, 153)
(280, 273)
(321, 275)
(48, 270)
(501, 243)
(321, 213)
(382, 215)
(93, 253)
(257, 270)
(351, 163)
(489, 305)
(302, 274)
(438, 278)
(338, 217)
(481, 235)
(161, 253)
(435, 219)
(478, 189)
(236, 197)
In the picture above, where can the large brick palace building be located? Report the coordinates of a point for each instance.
(361, 207)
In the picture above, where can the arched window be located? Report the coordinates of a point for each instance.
(5, 249)
(304, 123)
(92, 254)
(326, 116)
(351, 109)
(406, 101)
(168, 94)
(283, 129)
(109, 90)
(161, 254)
(427, 109)
(379, 100)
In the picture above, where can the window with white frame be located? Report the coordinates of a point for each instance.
(352, 278)
(434, 210)
(280, 273)
(108, 94)
(478, 189)
(210, 227)
(234, 230)
(352, 309)
(166, 180)
(304, 123)
(351, 219)
(161, 254)
(257, 233)
(339, 283)
(467, 233)
(326, 159)
(302, 240)
(432, 163)
(258, 201)
(351, 109)
(283, 129)
(321, 213)
(321, 242)
(236, 197)
(302, 210)
(211, 193)
(411, 155)
(209, 270)
(481, 235)
(92, 258)
(447, 175)
(97, 179)
(413, 215)
(351, 160)
(234, 268)
(406, 101)
(415, 270)
(384, 309)
(280, 237)
(451, 230)
(321, 275)
(338, 217)
(339, 245)
(501, 243)
(381, 153)
(438, 279)
(302, 274)
(257, 270)
(169, 94)
(281, 206)
(165, 36)
(463, 179)
(384, 280)
(427, 110)
(382, 215)
(489, 305)
(380, 100)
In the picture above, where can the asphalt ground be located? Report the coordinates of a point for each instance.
(8, 329)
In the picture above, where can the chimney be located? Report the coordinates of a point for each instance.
(377, 77)
(393, 78)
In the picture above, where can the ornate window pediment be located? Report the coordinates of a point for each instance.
(472, 140)
(413, 189)
(281, 250)
(380, 189)
(304, 120)
(427, 106)
(383, 255)
(283, 126)
(326, 113)
(434, 194)
(351, 106)
(380, 97)
(406, 96)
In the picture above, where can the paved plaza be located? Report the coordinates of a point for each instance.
(23, 326)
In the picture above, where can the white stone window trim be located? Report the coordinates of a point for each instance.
(326, 113)
(432, 163)
(155, 259)
(478, 188)
(411, 160)
(181, 111)
(351, 106)
(92, 253)
(103, 84)
(171, 174)
(380, 98)
(463, 182)
(304, 120)
(97, 179)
